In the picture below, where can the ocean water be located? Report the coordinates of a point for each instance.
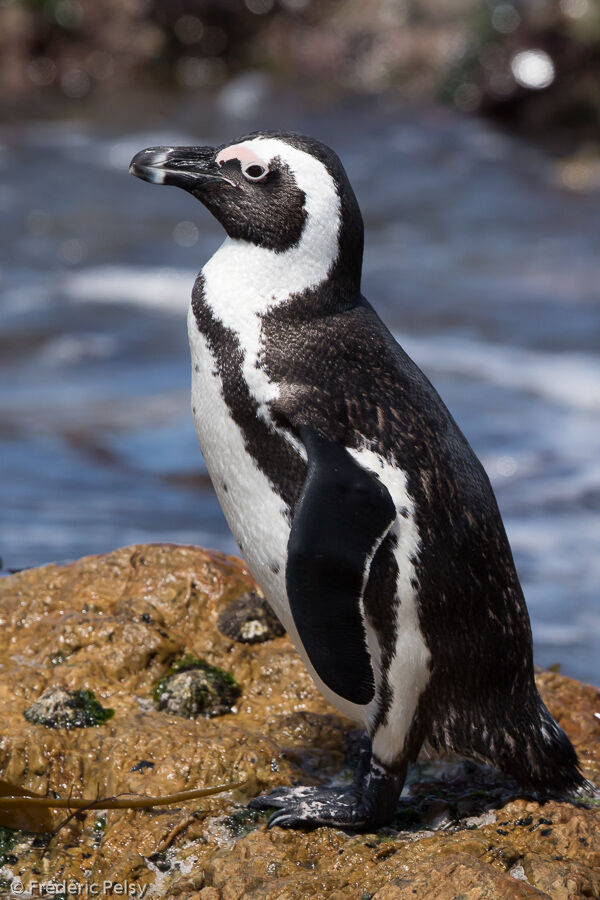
(478, 257)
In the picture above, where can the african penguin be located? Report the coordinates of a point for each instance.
(358, 505)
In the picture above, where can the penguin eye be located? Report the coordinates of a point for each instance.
(255, 172)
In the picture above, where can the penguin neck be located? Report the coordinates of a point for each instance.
(261, 277)
(243, 281)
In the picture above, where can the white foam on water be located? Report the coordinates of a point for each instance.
(571, 379)
(560, 635)
(163, 288)
(70, 349)
(562, 541)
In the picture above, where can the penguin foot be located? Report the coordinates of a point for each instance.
(367, 804)
(313, 806)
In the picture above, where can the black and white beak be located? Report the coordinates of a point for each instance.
(189, 168)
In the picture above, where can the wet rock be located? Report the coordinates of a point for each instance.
(116, 623)
(461, 876)
(194, 688)
(142, 765)
(57, 708)
(250, 620)
(8, 840)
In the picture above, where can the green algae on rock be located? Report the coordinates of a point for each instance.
(194, 688)
(58, 708)
(241, 821)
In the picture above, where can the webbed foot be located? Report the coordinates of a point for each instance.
(313, 806)
(367, 804)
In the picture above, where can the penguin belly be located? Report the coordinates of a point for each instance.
(258, 517)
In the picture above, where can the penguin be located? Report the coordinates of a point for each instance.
(359, 506)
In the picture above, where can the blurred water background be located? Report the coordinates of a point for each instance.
(481, 255)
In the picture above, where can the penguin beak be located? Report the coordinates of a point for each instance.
(190, 168)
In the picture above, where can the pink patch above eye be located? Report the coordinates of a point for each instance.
(246, 156)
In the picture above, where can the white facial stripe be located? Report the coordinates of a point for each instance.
(244, 153)
(242, 281)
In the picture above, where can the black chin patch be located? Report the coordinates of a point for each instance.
(269, 213)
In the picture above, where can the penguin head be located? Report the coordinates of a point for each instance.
(267, 188)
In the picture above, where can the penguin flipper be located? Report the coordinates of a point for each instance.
(342, 515)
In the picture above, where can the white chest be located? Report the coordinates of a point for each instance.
(255, 513)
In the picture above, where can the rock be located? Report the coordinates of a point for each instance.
(57, 708)
(249, 619)
(194, 688)
(117, 625)
(458, 875)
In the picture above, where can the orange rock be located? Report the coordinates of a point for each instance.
(114, 625)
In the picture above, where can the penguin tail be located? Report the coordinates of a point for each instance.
(544, 760)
